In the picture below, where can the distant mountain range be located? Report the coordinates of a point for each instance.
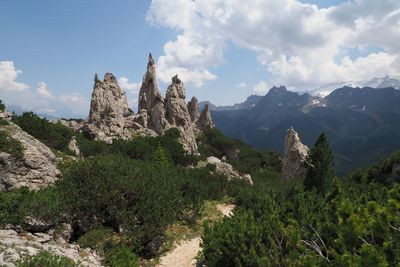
(362, 124)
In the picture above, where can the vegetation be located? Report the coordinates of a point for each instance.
(2, 106)
(47, 259)
(352, 224)
(54, 135)
(10, 145)
(320, 166)
(129, 199)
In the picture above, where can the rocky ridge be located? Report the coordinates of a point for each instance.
(110, 118)
(295, 155)
(36, 169)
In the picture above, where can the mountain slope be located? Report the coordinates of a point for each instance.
(363, 124)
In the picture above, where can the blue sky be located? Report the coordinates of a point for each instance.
(55, 47)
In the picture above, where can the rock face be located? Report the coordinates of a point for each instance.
(110, 117)
(177, 114)
(205, 121)
(193, 109)
(151, 102)
(75, 125)
(295, 154)
(108, 111)
(35, 169)
(15, 246)
(226, 169)
(73, 146)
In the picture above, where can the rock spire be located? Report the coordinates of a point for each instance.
(295, 154)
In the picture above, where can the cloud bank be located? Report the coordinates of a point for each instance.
(298, 44)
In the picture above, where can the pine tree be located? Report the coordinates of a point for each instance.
(160, 155)
(2, 106)
(320, 166)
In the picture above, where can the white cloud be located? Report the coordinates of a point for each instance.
(8, 77)
(241, 85)
(129, 86)
(261, 88)
(298, 44)
(43, 91)
(73, 98)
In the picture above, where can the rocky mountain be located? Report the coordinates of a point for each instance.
(250, 102)
(110, 118)
(383, 82)
(362, 124)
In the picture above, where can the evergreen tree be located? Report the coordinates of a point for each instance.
(320, 166)
(160, 155)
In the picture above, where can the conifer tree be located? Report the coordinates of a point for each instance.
(320, 166)
(160, 155)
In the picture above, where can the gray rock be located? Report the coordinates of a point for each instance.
(226, 169)
(177, 114)
(108, 109)
(150, 99)
(73, 146)
(75, 125)
(5, 115)
(295, 155)
(15, 246)
(193, 109)
(36, 169)
(205, 121)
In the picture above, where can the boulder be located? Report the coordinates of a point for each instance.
(36, 169)
(294, 158)
(226, 169)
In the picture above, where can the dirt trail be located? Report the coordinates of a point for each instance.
(184, 254)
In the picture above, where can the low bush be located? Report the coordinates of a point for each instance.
(54, 135)
(47, 259)
(10, 145)
(122, 257)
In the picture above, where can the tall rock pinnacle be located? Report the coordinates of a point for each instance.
(295, 154)
(193, 109)
(205, 121)
(108, 109)
(177, 114)
(150, 99)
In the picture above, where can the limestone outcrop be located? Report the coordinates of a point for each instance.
(295, 155)
(36, 168)
(205, 121)
(108, 111)
(110, 118)
(151, 102)
(193, 109)
(225, 169)
(177, 114)
(15, 246)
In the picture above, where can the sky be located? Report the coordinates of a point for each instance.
(223, 50)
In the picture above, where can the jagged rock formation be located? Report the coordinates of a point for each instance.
(5, 116)
(15, 246)
(35, 169)
(295, 154)
(177, 114)
(108, 111)
(205, 121)
(193, 109)
(73, 146)
(110, 117)
(151, 102)
(225, 169)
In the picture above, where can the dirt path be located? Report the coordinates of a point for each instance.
(184, 254)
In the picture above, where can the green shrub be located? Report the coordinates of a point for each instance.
(10, 145)
(54, 135)
(47, 259)
(2, 106)
(96, 238)
(3, 122)
(122, 257)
